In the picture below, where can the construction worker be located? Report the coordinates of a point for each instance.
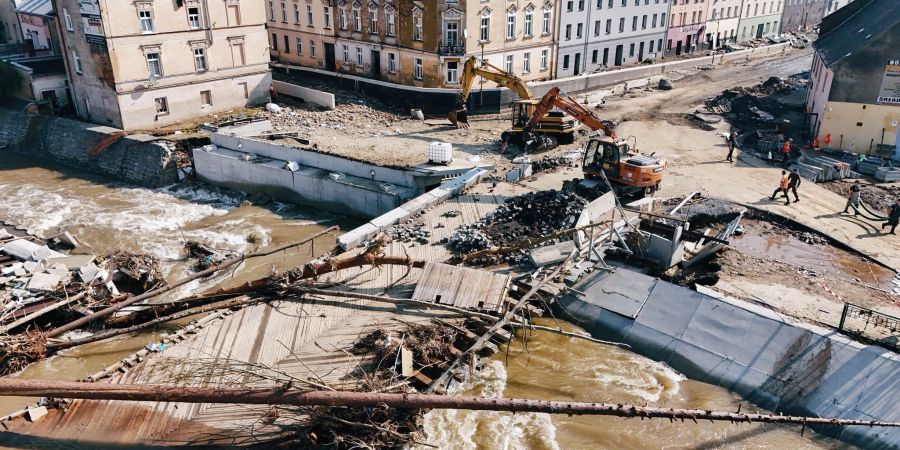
(783, 188)
(853, 200)
(786, 151)
(794, 183)
(893, 217)
(732, 143)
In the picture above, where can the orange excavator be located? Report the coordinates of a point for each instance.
(628, 171)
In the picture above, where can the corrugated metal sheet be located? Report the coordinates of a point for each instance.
(34, 7)
(462, 287)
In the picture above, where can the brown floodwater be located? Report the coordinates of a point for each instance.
(108, 216)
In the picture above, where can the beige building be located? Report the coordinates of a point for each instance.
(147, 63)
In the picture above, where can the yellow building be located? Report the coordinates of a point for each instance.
(147, 63)
(853, 97)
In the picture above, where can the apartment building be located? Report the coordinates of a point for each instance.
(38, 24)
(9, 23)
(760, 19)
(802, 15)
(594, 33)
(687, 27)
(302, 32)
(142, 64)
(722, 20)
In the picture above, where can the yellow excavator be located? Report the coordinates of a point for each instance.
(559, 125)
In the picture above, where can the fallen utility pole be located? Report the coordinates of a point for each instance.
(280, 396)
(130, 301)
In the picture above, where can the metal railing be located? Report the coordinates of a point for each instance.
(870, 325)
(451, 49)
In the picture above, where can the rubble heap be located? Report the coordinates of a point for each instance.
(740, 99)
(549, 163)
(409, 232)
(526, 216)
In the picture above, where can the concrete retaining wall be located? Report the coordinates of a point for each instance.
(779, 365)
(309, 95)
(138, 159)
(438, 101)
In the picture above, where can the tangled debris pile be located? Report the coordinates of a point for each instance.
(136, 272)
(740, 100)
(550, 162)
(526, 216)
(206, 257)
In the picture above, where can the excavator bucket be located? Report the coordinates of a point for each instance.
(459, 119)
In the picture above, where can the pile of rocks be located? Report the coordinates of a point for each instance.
(526, 216)
(409, 232)
(549, 163)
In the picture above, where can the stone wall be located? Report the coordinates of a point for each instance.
(138, 159)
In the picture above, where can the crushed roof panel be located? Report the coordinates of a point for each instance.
(870, 22)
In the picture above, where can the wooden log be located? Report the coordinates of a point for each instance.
(279, 396)
(147, 295)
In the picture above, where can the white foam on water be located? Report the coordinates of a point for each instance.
(455, 429)
(653, 381)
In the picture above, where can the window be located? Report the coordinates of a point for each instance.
(451, 33)
(283, 13)
(244, 88)
(418, 73)
(597, 28)
(296, 14)
(392, 63)
(566, 62)
(653, 22)
(342, 19)
(357, 22)
(145, 16)
(312, 48)
(69, 20)
(417, 28)
(651, 46)
(162, 105)
(634, 23)
(451, 72)
(644, 22)
(594, 56)
(662, 19)
(570, 6)
(545, 26)
(206, 98)
(578, 30)
(299, 46)
(287, 44)
(272, 11)
(153, 64)
(390, 18)
(359, 59)
(509, 63)
(511, 25)
(631, 50)
(194, 18)
(581, 5)
(529, 23)
(309, 16)
(545, 59)
(373, 22)
(568, 32)
(274, 42)
(621, 24)
(608, 26)
(200, 57)
(76, 61)
(485, 28)
(346, 54)
(526, 62)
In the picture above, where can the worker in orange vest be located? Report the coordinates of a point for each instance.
(783, 188)
(786, 151)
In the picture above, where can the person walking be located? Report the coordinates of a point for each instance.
(732, 143)
(786, 152)
(853, 200)
(783, 188)
(893, 217)
(793, 184)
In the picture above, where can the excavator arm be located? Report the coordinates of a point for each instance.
(553, 98)
(489, 72)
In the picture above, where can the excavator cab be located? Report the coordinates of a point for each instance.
(605, 155)
(628, 171)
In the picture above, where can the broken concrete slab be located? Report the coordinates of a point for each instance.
(4, 234)
(32, 266)
(34, 414)
(10, 269)
(43, 282)
(73, 262)
(43, 253)
(88, 273)
(21, 249)
(552, 254)
(67, 239)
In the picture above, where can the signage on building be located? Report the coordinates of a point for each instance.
(89, 7)
(890, 84)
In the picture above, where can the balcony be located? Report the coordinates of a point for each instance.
(451, 49)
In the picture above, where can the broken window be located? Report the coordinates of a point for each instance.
(162, 105)
(206, 98)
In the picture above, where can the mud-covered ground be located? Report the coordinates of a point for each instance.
(879, 197)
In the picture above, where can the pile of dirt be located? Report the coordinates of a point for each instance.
(750, 103)
(877, 197)
(526, 216)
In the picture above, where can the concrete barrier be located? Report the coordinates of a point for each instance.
(779, 365)
(309, 95)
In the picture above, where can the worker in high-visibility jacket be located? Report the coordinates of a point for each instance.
(786, 151)
(783, 188)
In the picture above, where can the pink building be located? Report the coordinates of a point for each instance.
(36, 20)
(687, 26)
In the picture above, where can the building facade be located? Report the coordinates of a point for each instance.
(853, 96)
(687, 26)
(722, 19)
(148, 63)
(9, 23)
(38, 26)
(597, 33)
(802, 15)
(761, 19)
(300, 32)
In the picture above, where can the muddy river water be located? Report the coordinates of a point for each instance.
(109, 216)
